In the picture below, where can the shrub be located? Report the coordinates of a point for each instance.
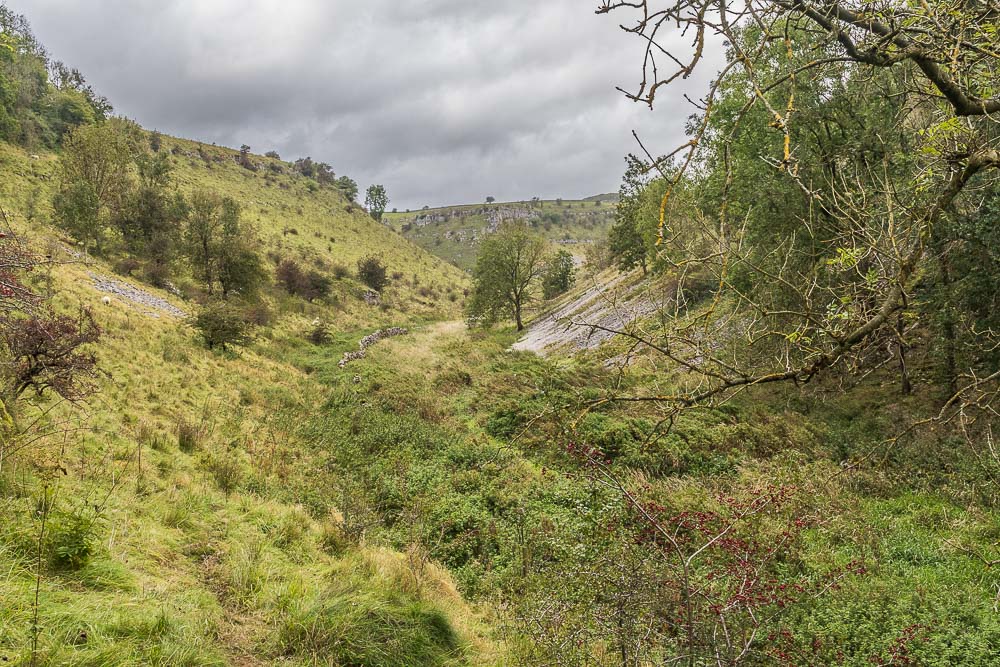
(289, 275)
(309, 285)
(227, 471)
(157, 274)
(127, 266)
(320, 333)
(44, 353)
(222, 324)
(558, 275)
(372, 272)
(340, 271)
(71, 541)
(259, 314)
(332, 538)
(505, 423)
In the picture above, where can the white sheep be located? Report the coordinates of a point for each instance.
(106, 300)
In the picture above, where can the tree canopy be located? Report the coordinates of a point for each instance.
(838, 143)
(376, 201)
(508, 267)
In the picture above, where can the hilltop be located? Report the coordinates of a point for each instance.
(453, 232)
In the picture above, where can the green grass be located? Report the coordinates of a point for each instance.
(170, 541)
(269, 506)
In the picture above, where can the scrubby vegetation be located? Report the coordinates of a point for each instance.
(207, 460)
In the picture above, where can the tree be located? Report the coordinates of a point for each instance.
(94, 178)
(325, 176)
(150, 217)
(309, 285)
(305, 166)
(490, 199)
(559, 274)
(626, 240)
(505, 279)
(40, 99)
(44, 352)
(837, 140)
(376, 201)
(222, 248)
(372, 272)
(244, 158)
(40, 349)
(347, 187)
(222, 324)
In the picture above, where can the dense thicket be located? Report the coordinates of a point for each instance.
(40, 99)
(822, 216)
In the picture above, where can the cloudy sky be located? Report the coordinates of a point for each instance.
(443, 101)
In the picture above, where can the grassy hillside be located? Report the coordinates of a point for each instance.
(152, 524)
(453, 232)
(294, 217)
(424, 506)
(680, 464)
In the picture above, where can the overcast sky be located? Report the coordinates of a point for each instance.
(442, 101)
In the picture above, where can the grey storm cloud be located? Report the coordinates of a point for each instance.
(443, 101)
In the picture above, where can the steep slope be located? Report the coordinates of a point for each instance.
(590, 313)
(295, 218)
(168, 534)
(453, 232)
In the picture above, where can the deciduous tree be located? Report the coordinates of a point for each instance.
(559, 274)
(94, 177)
(833, 224)
(376, 201)
(508, 267)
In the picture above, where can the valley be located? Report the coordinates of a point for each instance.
(740, 413)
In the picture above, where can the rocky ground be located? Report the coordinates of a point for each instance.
(136, 298)
(588, 317)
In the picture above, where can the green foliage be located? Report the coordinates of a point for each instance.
(223, 248)
(348, 187)
(223, 324)
(505, 423)
(71, 540)
(94, 179)
(78, 210)
(559, 275)
(40, 100)
(309, 285)
(372, 272)
(629, 238)
(150, 219)
(376, 201)
(508, 267)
